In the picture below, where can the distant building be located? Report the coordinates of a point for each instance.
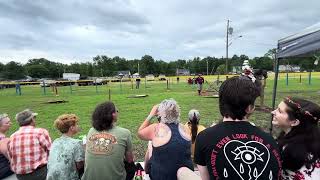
(135, 75)
(236, 69)
(289, 68)
(183, 72)
(125, 74)
(71, 76)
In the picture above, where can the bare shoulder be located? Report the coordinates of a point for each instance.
(185, 132)
(162, 135)
(162, 130)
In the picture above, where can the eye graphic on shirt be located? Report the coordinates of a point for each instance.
(248, 159)
(247, 154)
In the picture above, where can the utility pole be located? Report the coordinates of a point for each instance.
(227, 46)
(138, 69)
(207, 68)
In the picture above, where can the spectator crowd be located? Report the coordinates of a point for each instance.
(234, 148)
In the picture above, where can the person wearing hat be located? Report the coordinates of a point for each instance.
(28, 148)
(5, 124)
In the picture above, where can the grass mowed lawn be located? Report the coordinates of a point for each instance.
(132, 111)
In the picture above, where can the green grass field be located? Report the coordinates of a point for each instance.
(132, 111)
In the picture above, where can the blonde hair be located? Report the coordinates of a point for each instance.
(169, 111)
(65, 121)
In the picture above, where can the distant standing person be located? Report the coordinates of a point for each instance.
(261, 76)
(199, 82)
(138, 83)
(18, 89)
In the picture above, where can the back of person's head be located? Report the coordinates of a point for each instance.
(306, 133)
(261, 72)
(65, 121)
(102, 117)
(235, 96)
(3, 117)
(25, 117)
(194, 118)
(169, 111)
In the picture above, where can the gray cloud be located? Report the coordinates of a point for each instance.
(77, 30)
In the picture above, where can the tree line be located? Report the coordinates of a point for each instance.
(102, 65)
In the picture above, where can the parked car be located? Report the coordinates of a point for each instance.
(46, 82)
(162, 77)
(150, 77)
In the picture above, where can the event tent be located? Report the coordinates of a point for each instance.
(301, 44)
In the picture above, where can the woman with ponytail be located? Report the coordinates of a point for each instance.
(299, 140)
(194, 127)
(66, 158)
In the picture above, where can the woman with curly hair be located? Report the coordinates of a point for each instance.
(299, 140)
(108, 146)
(66, 158)
(171, 142)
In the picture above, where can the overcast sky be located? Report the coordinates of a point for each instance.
(76, 30)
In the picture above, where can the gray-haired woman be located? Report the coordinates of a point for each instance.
(5, 124)
(170, 140)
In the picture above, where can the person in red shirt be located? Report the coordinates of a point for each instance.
(199, 82)
(28, 148)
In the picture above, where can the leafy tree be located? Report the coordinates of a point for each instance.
(13, 71)
(161, 67)
(37, 71)
(221, 69)
(243, 57)
(147, 65)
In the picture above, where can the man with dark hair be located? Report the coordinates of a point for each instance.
(234, 148)
(199, 81)
(28, 148)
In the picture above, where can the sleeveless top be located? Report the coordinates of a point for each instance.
(168, 158)
(4, 165)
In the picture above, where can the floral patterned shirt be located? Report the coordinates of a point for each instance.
(65, 152)
(303, 173)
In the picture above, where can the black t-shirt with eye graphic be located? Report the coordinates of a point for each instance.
(238, 150)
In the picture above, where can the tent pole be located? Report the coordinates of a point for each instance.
(274, 93)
